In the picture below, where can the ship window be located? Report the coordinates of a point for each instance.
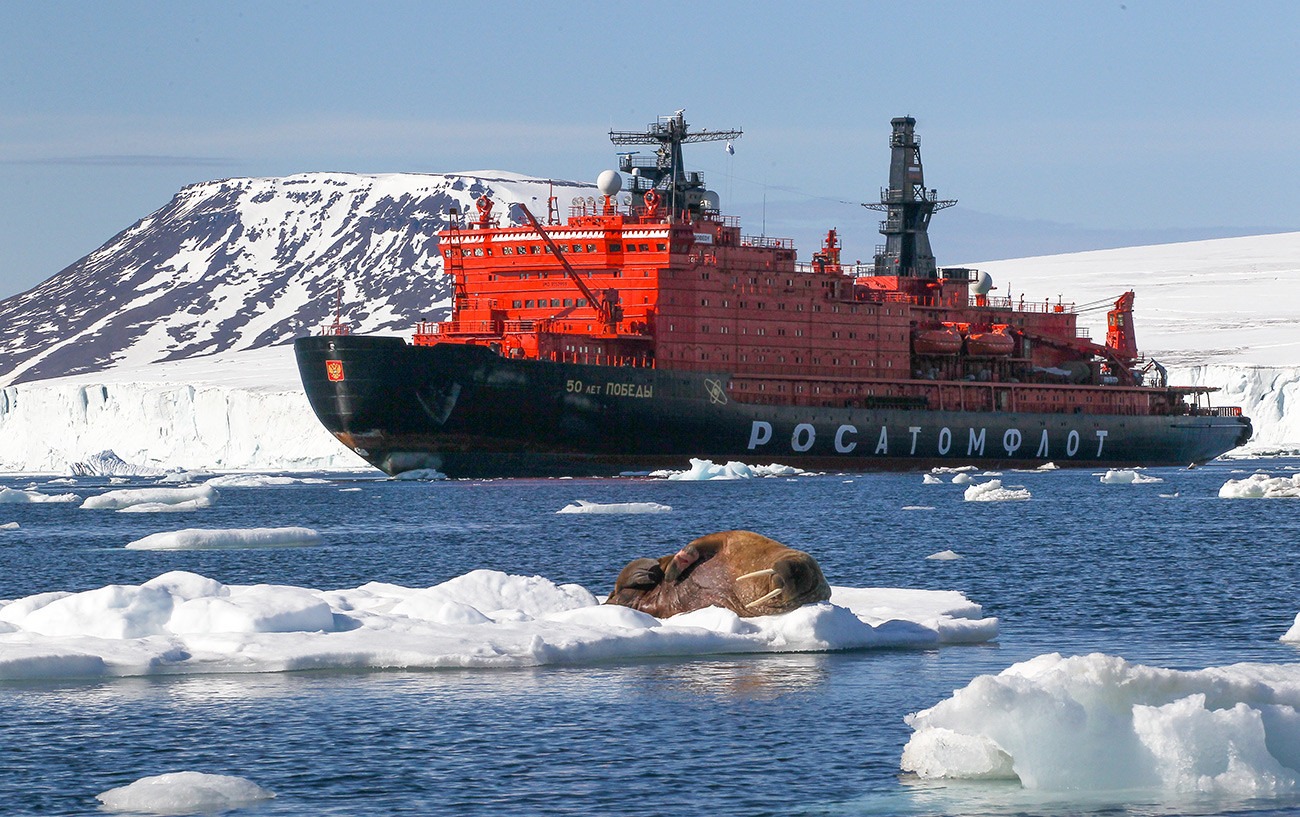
(644, 248)
(615, 247)
(555, 302)
(568, 302)
(591, 248)
(798, 333)
(507, 250)
(528, 304)
(582, 302)
(704, 302)
(723, 330)
(835, 334)
(478, 251)
(661, 247)
(704, 327)
(518, 304)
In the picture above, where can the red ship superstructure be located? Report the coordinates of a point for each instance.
(647, 328)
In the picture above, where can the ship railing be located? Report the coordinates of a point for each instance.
(336, 328)
(460, 328)
(766, 242)
(855, 270)
(1222, 411)
(519, 326)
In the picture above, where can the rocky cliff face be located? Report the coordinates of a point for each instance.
(246, 263)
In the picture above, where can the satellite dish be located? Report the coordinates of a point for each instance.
(609, 182)
(983, 283)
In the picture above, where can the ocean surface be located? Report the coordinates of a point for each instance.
(1165, 573)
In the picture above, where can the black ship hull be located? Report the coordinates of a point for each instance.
(469, 412)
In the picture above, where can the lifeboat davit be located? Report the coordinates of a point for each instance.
(945, 340)
(994, 343)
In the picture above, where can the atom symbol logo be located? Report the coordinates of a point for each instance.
(716, 393)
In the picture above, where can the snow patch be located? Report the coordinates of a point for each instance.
(1261, 486)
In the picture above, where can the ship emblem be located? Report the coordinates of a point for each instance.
(334, 369)
(716, 393)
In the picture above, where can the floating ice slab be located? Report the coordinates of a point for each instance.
(1127, 477)
(1261, 486)
(421, 473)
(583, 506)
(1098, 723)
(108, 464)
(13, 496)
(992, 491)
(930, 479)
(944, 556)
(260, 481)
(184, 793)
(962, 479)
(184, 623)
(203, 496)
(701, 470)
(227, 539)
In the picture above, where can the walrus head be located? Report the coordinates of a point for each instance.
(739, 570)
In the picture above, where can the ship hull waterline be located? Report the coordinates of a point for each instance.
(468, 412)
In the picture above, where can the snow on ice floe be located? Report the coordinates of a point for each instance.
(108, 464)
(583, 506)
(1127, 477)
(1100, 723)
(183, 793)
(184, 623)
(992, 491)
(701, 470)
(260, 481)
(200, 496)
(227, 539)
(1261, 486)
(13, 496)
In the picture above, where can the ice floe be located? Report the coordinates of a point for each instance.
(9, 526)
(962, 479)
(421, 473)
(583, 506)
(1261, 486)
(706, 469)
(260, 481)
(183, 793)
(1127, 477)
(944, 556)
(1100, 723)
(992, 491)
(199, 496)
(227, 539)
(182, 623)
(13, 496)
(930, 479)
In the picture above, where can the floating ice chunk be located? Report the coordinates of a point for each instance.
(962, 479)
(583, 506)
(204, 496)
(184, 793)
(918, 507)
(61, 481)
(701, 470)
(420, 473)
(1127, 477)
(9, 526)
(348, 490)
(1261, 486)
(1099, 723)
(165, 507)
(944, 556)
(992, 491)
(259, 481)
(1049, 466)
(182, 476)
(930, 479)
(12, 496)
(226, 539)
(945, 469)
(108, 464)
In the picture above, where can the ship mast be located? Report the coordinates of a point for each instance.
(908, 207)
(683, 191)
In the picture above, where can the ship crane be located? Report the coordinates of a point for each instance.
(666, 171)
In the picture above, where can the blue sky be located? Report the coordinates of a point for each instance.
(1057, 125)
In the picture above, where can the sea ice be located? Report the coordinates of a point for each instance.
(962, 479)
(1099, 723)
(184, 793)
(227, 539)
(944, 556)
(583, 506)
(992, 491)
(260, 481)
(1261, 486)
(183, 623)
(202, 496)
(14, 496)
(421, 473)
(706, 469)
(1127, 477)
(945, 469)
(930, 479)
(9, 526)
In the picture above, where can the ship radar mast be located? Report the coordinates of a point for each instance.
(664, 172)
(908, 207)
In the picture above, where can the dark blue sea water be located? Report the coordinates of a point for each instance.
(1184, 581)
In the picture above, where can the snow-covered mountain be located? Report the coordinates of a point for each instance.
(248, 263)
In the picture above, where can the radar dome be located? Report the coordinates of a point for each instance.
(609, 182)
(710, 201)
(983, 283)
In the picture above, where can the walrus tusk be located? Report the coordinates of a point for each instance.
(775, 592)
(768, 572)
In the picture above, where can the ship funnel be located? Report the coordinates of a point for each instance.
(609, 182)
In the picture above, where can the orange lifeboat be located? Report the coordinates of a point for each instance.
(944, 340)
(994, 343)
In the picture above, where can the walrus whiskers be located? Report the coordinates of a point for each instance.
(768, 572)
(774, 593)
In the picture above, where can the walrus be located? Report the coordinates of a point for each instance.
(740, 570)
